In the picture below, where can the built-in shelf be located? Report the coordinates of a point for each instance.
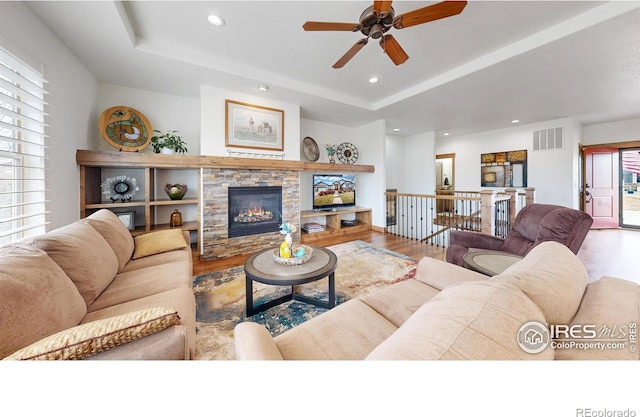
(153, 207)
(143, 159)
(333, 222)
(149, 167)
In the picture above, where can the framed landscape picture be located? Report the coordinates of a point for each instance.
(251, 126)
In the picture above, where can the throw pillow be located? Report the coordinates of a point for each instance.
(84, 255)
(552, 277)
(37, 299)
(158, 242)
(97, 336)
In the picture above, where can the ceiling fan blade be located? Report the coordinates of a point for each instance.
(381, 8)
(350, 53)
(393, 49)
(429, 14)
(334, 26)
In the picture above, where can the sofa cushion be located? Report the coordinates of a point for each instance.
(132, 285)
(471, 320)
(349, 331)
(552, 277)
(611, 305)
(399, 301)
(37, 298)
(88, 339)
(158, 242)
(115, 233)
(84, 255)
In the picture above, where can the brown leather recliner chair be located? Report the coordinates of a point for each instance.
(534, 224)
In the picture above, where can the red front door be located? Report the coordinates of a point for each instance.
(602, 179)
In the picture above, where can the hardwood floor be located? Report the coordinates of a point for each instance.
(611, 252)
(412, 248)
(604, 252)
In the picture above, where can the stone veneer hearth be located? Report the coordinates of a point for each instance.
(215, 184)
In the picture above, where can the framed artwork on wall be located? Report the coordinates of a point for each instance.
(128, 219)
(252, 126)
(504, 169)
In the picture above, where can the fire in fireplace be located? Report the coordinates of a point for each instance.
(254, 210)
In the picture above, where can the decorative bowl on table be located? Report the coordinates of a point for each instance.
(294, 260)
(176, 191)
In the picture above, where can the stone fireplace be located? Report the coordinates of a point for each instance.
(217, 240)
(254, 210)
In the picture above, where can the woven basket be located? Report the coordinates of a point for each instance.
(308, 253)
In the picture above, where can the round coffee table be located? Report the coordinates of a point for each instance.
(261, 267)
(489, 262)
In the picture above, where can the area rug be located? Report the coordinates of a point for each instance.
(220, 296)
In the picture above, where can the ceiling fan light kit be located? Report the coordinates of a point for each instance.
(378, 19)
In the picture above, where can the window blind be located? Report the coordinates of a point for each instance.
(23, 149)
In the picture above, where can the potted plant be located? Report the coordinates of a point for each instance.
(170, 142)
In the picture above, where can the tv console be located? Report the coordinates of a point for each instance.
(333, 222)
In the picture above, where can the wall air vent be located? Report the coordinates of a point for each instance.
(547, 139)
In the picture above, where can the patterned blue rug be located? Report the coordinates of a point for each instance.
(220, 296)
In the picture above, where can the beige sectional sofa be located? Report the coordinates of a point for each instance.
(90, 290)
(449, 312)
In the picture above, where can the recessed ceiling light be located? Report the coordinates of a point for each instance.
(263, 87)
(515, 121)
(373, 80)
(215, 20)
(446, 133)
(396, 129)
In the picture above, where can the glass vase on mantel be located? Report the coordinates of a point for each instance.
(331, 152)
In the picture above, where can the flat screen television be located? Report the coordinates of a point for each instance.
(333, 191)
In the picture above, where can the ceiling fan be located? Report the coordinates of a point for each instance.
(376, 20)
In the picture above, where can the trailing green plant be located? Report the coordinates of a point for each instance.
(170, 140)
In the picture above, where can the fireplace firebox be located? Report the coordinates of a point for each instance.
(254, 210)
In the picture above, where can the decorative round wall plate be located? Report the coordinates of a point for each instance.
(347, 153)
(310, 149)
(121, 188)
(125, 129)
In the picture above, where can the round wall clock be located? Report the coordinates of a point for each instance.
(310, 149)
(347, 153)
(125, 129)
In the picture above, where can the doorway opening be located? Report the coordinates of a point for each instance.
(630, 188)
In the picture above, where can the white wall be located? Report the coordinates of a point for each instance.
(212, 122)
(619, 131)
(419, 164)
(553, 173)
(72, 105)
(394, 162)
(164, 112)
(370, 141)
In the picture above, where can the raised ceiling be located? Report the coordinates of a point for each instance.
(495, 62)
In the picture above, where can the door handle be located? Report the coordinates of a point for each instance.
(587, 194)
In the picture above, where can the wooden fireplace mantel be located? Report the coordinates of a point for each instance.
(153, 160)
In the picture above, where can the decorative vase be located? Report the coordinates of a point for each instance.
(332, 159)
(167, 151)
(176, 219)
(176, 191)
(289, 240)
